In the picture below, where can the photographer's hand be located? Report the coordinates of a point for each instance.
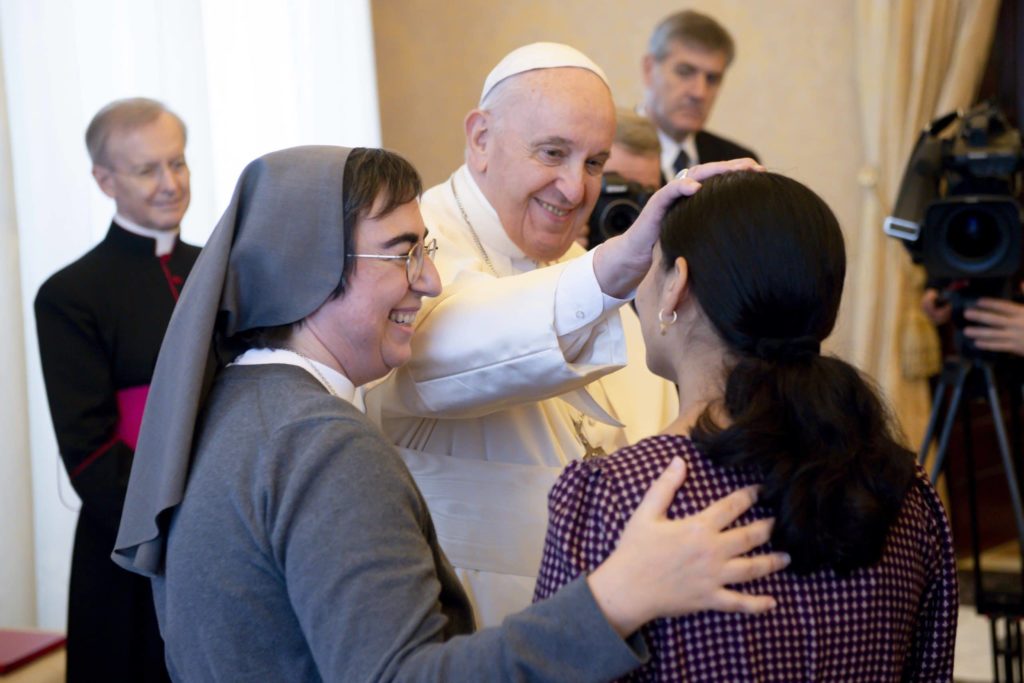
(937, 308)
(1001, 328)
(622, 262)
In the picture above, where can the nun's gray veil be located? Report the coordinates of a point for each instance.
(275, 256)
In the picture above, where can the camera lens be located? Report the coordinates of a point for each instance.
(617, 216)
(975, 237)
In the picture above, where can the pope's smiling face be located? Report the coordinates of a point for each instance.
(538, 154)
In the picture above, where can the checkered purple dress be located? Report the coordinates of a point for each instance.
(895, 621)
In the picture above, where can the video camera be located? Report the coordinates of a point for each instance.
(617, 208)
(956, 210)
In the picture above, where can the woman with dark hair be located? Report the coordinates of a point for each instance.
(284, 537)
(745, 284)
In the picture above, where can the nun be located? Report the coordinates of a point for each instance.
(283, 535)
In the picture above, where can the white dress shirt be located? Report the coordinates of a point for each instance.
(670, 150)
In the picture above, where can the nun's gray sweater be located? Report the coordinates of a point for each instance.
(303, 551)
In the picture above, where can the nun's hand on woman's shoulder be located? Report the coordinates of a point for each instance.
(664, 568)
(622, 262)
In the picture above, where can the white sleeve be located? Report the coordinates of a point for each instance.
(581, 306)
(488, 343)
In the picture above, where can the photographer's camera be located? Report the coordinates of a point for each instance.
(957, 210)
(617, 208)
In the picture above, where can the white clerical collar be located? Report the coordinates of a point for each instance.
(164, 238)
(335, 382)
(670, 150)
(507, 257)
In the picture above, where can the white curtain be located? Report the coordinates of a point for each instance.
(17, 580)
(247, 77)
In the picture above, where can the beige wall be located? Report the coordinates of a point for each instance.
(790, 94)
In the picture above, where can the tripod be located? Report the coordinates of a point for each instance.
(1003, 609)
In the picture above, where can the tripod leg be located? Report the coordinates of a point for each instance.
(1008, 650)
(994, 634)
(1017, 650)
(947, 426)
(1013, 669)
(1010, 655)
(1004, 452)
(933, 419)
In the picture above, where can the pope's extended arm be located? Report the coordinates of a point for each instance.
(488, 343)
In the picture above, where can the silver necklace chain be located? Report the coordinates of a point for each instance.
(472, 231)
(311, 364)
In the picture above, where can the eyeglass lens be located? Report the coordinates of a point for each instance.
(417, 255)
(414, 264)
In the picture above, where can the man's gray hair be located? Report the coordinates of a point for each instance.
(122, 115)
(694, 29)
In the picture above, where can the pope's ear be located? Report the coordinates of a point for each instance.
(478, 139)
(105, 179)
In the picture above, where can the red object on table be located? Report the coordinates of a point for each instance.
(18, 647)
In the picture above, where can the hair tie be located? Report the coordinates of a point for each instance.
(787, 349)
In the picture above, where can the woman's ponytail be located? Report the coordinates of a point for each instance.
(766, 263)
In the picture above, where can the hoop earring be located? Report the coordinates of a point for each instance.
(665, 323)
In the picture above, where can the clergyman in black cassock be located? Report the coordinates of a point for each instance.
(100, 323)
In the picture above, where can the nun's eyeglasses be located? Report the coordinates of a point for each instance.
(413, 260)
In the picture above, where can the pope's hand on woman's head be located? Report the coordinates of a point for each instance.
(704, 171)
(664, 567)
(623, 261)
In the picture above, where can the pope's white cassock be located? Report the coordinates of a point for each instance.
(516, 370)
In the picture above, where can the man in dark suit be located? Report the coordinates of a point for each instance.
(100, 322)
(686, 60)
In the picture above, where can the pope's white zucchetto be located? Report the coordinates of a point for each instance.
(539, 56)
